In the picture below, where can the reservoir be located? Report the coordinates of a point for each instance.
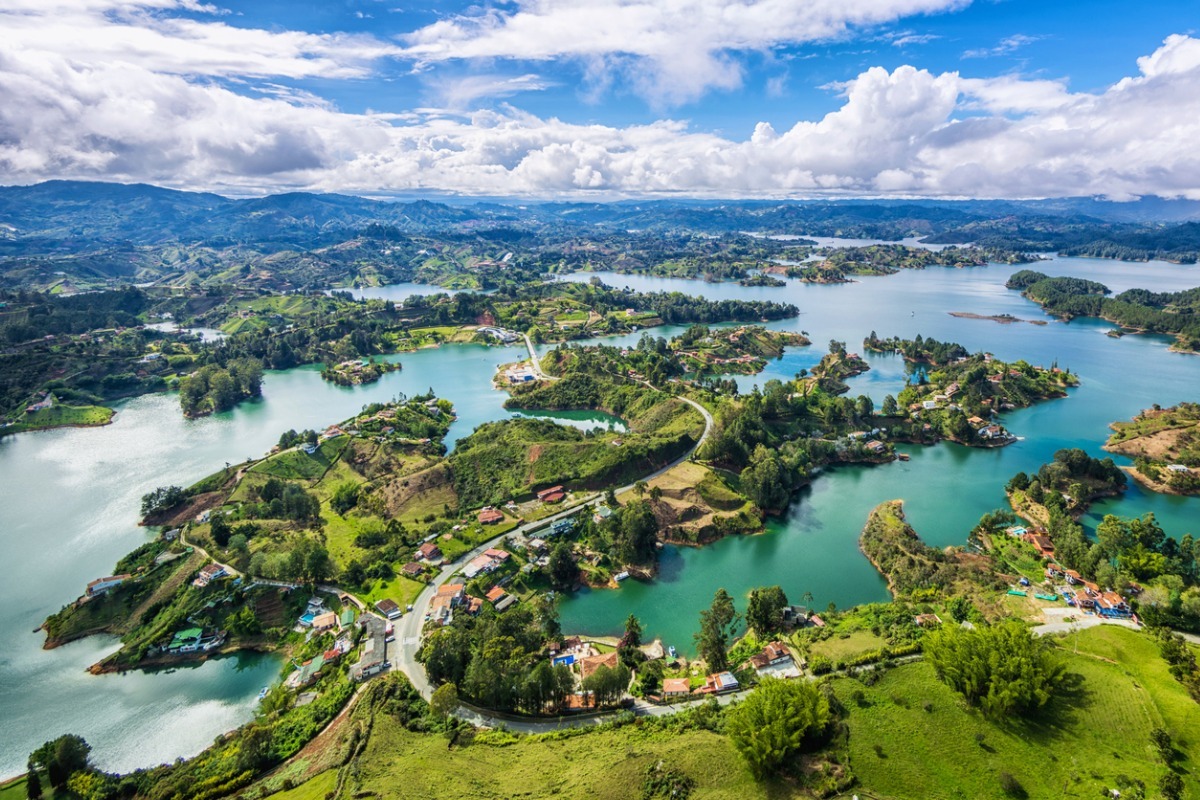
(70, 497)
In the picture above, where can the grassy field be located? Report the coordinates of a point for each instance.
(598, 766)
(58, 416)
(1086, 744)
(399, 588)
(836, 648)
(14, 789)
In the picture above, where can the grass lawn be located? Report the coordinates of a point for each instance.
(835, 648)
(1080, 748)
(15, 789)
(402, 590)
(58, 416)
(599, 766)
(316, 789)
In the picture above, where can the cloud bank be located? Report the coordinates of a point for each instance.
(154, 97)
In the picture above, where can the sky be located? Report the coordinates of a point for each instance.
(603, 99)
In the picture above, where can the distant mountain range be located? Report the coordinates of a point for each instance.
(143, 214)
(107, 232)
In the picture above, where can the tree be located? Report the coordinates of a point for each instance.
(607, 684)
(345, 497)
(777, 721)
(61, 758)
(220, 529)
(1170, 786)
(33, 785)
(633, 632)
(890, 408)
(563, 571)
(162, 499)
(444, 700)
(767, 481)
(764, 611)
(1002, 668)
(716, 629)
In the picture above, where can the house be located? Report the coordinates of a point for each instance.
(720, 682)
(101, 585)
(325, 622)
(876, 446)
(537, 545)
(1044, 546)
(1178, 468)
(412, 570)
(1054, 571)
(487, 562)
(429, 552)
(522, 374)
(602, 513)
(929, 405)
(927, 620)
(562, 527)
(500, 599)
(774, 658)
(1112, 605)
(1073, 577)
(551, 495)
(490, 516)
(590, 664)
(389, 608)
(675, 688)
(448, 597)
(976, 422)
(209, 574)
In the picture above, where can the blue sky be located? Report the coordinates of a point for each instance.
(607, 98)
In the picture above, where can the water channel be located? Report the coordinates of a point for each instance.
(70, 497)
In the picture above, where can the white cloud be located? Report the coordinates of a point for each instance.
(1007, 45)
(907, 131)
(142, 33)
(680, 48)
(462, 92)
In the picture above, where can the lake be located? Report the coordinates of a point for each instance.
(71, 496)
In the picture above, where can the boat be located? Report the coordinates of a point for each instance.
(263, 692)
(620, 576)
(903, 456)
(671, 651)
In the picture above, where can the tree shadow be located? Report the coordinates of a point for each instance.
(1060, 715)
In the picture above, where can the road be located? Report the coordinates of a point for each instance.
(533, 359)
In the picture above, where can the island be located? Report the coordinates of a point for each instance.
(1165, 446)
(357, 371)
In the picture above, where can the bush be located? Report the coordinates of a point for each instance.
(1003, 669)
(776, 721)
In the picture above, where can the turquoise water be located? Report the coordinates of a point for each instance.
(945, 488)
(70, 497)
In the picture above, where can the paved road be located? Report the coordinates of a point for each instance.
(533, 358)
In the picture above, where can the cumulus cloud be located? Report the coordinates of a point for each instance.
(154, 35)
(906, 131)
(678, 49)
